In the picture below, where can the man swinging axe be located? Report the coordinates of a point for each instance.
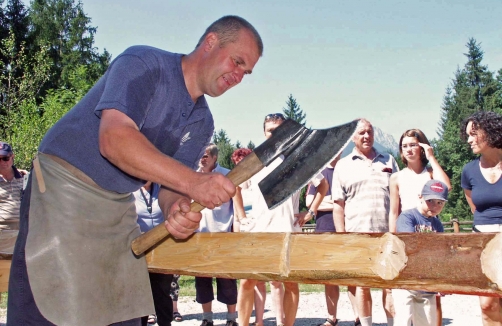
(145, 119)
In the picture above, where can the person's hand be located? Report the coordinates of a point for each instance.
(23, 172)
(429, 151)
(211, 189)
(302, 218)
(181, 222)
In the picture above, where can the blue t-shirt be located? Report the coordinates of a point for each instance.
(485, 196)
(327, 173)
(146, 84)
(412, 220)
(148, 220)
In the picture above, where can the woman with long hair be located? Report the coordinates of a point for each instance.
(405, 185)
(482, 184)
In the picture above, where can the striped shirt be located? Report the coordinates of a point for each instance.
(364, 187)
(10, 201)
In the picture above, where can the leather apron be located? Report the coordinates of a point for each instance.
(78, 252)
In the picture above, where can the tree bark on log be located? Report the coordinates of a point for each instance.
(451, 263)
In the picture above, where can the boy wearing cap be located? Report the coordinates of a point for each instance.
(419, 307)
(11, 187)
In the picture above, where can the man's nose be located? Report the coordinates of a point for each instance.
(239, 74)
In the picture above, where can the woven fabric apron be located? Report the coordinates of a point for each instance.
(78, 252)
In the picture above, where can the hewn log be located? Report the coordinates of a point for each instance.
(452, 263)
(7, 242)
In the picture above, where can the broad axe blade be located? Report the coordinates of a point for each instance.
(312, 151)
(287, 138)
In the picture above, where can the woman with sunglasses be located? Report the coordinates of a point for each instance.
(482, 184)
(405, 185)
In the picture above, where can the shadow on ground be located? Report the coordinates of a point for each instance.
(271, 321)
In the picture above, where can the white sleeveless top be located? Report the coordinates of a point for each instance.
(410, 186)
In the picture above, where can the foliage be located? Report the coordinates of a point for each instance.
(474, 88)
(20, 81)
(187, 286)
(293, 110)
(31, 124)
(251, 145)
(64, 25)
(47, 64)
(225, 149)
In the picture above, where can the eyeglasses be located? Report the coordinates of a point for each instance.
(274, 116)
(411, 146)
(5, 158)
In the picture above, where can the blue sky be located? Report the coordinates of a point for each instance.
(388, 61)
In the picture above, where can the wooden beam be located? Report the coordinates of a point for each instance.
(4, 275)
(7, 242)
(453, 263)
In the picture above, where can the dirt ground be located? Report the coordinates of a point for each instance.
(458, 310)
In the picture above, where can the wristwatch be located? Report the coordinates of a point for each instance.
(311, 212)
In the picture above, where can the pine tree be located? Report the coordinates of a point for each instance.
(21, 77)
(225, 149)
(472, 89)
(293, 110)
(64, 25)
(14, 40)
(251, 145)
(16, 18)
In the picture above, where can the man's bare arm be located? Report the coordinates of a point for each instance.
(239, 212)
(119, 137)
(339, 215)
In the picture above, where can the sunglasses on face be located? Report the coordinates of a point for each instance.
(274, 116)
(5, 158)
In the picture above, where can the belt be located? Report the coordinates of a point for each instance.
(73, 170)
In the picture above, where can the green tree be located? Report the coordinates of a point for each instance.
(64, 25)
(16, 21)
(32, 121)
(225, 149)
(472, 89)
(17, 89)
(251, 145)
(293, 110)
(14, 30)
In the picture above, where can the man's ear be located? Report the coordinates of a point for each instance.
(210, 41)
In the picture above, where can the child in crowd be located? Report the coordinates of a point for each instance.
(419, 307)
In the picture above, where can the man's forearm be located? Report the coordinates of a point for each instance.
(239, 211)
(119, 137)
(167, 198)
(339, 216)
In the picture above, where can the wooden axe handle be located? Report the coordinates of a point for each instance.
(248, 167)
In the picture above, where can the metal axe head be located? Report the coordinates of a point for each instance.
(306, 151)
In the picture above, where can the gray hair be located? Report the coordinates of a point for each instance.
(212, 149)
(227, 29)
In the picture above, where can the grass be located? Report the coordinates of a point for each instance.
(187, 286)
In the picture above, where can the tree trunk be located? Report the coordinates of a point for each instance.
(451, 263)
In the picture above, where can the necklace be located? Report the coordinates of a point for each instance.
(492, 174)
(148, 202)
